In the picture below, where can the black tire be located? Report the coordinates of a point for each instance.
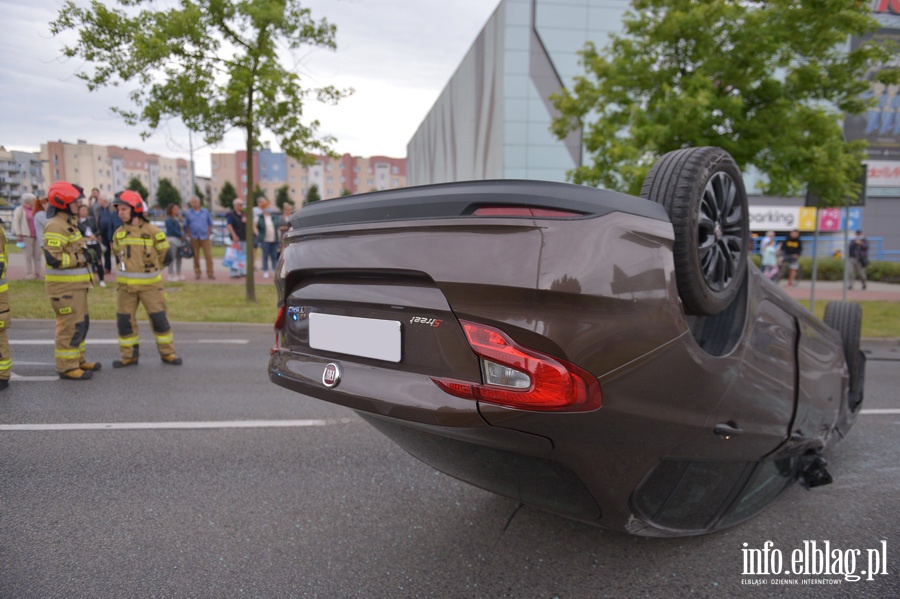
(703, 192)
(846, 319)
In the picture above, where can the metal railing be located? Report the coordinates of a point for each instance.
(830, 246)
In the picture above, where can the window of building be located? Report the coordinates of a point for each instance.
(395, 170)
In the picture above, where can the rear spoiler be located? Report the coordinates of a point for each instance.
(453, 200)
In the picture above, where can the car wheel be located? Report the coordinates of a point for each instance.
(703, 192)
(846, 319)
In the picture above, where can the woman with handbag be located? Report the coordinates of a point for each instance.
(175, 235)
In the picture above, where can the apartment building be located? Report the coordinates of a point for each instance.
(20, 173)
(111, 168)
(333, 177)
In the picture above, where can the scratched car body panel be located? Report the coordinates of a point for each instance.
(546, 354)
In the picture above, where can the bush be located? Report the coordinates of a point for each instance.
(884, 272)
(832, 269)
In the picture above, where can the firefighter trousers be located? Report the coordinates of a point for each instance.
(126, 322)
(5, 361)
(72, 323)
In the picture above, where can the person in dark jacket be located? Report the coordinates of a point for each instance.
(858, 252)
(175, 235)
(103, 231)
(791, 249)
(113, 222)
(90, 231)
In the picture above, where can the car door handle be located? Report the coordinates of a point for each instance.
(727, 429)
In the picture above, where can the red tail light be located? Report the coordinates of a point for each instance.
(523, 378)
(525, 211)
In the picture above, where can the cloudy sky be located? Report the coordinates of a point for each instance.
(397, 54)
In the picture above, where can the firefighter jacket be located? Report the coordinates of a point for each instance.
(142, 250)
(67, 269)
(4, 286)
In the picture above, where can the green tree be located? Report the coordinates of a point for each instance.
(258, 193)
(282, 197)
(346, 192)
(135, 185)
(167, 194)
(227, 195)
(199, 194)
(216, 64)
(313, 194)
(767, 81)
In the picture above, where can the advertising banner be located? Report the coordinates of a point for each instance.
(880, 125)
(787, 218)
(782, 218)
(883, 174)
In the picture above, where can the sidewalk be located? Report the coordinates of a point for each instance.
(16, 271)
(833, 290)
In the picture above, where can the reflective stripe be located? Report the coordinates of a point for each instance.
(67, 353)
(163, 339)
(128, 341)
(67, 275)
(139, 278)
(68, 271)
(5, 364)
(4, 286)
(136, 241)
(57, 240)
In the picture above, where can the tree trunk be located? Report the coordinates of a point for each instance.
(248, 210)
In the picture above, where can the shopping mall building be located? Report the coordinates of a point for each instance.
(492, 120)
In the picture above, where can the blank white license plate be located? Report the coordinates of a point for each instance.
(364, 337)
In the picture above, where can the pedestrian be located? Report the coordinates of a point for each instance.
(105, 226)
(175, 235)
(26, 233)
(791, 249)
(198, 228)
(769, 255)
(266, 229)
(68, 280)
(40, 217)
(236, 222)
(88, 227)
(858, 252)
(94, 198)
(143, 250)
(5, 358)
(285, 224)
(113, 222)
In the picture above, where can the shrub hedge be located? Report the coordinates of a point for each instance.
(832, 269)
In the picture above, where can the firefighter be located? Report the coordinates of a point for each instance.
(143, 251)
(68, 279)
(5, 362)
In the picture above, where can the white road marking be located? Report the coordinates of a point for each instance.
(116, 341)
(111, 426)
(880, 411)
(31, 379)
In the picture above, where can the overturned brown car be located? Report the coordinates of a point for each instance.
(609, 358)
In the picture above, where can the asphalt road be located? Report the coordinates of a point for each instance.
(327, 507)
